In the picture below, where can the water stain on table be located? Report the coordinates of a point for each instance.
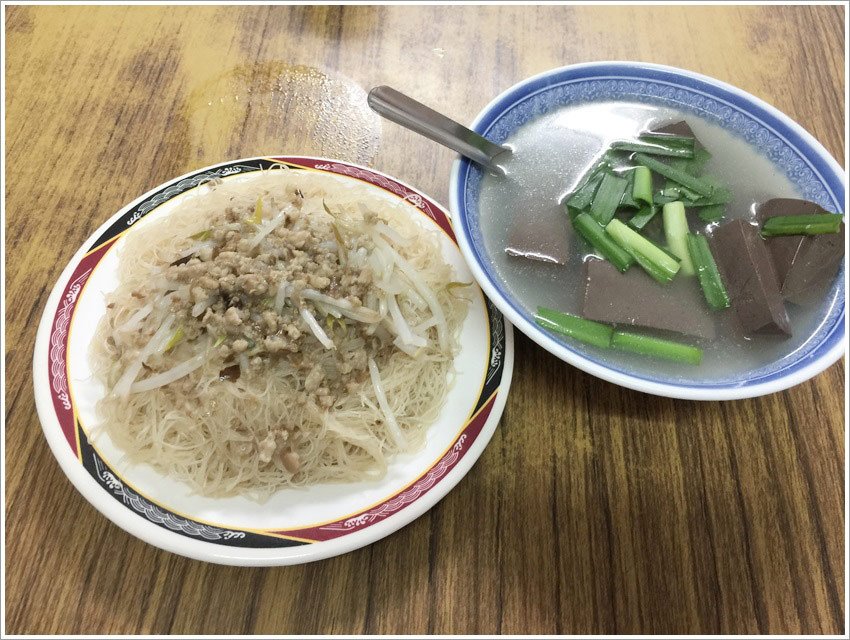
(274, 108)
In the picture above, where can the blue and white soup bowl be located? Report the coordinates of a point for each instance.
(792, 150)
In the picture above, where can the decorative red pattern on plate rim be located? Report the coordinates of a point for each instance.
(57, 355)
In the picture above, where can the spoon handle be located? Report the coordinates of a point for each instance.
(413, 115)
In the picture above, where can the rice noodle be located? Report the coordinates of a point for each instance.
(357, 375)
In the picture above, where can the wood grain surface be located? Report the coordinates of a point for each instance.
(594, 508)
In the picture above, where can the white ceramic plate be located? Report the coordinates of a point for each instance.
(296, 525)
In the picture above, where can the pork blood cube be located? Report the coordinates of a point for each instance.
(750, 278)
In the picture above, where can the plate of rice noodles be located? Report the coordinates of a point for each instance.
(270, 361)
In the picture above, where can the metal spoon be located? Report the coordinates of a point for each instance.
(413, 115)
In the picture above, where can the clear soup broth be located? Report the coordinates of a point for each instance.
(550, 155)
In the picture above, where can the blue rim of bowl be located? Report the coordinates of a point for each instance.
(825, 169)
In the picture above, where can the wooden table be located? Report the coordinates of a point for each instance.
(594, 508)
